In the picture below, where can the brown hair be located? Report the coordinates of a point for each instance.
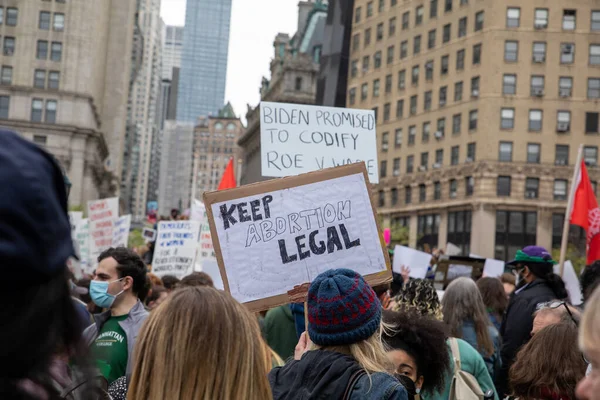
(549, 363)
(156, 281)
(196, 279)
(493, 295)
(589, 335)
(200, 344)
(508, 277)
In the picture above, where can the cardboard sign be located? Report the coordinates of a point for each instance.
(296, 138)
(102, 215)
(211, 267)
(417, 261)
(149, 234)
(121, 231)
(82, 240)
(175, 249)
(274, 236)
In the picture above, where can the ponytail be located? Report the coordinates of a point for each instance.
(557, 285)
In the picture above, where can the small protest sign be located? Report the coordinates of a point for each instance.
(102, 215)
(417, 261)
(197, 211)
(274, 236)
(297, 138)
(82, 239)
(149, 235)
(121, 231)
(175, 249)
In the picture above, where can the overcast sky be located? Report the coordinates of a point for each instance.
(254, 24)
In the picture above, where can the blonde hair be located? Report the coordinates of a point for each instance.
(200, 344)
(589, 330)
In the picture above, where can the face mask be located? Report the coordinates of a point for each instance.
(99, 293)
(408, 384)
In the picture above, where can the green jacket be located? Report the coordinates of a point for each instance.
(280, 331)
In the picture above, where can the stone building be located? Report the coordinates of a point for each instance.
(64, 85)
(481, 108)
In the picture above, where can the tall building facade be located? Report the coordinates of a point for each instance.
(171, 54)
(204, 58)
(142, 126)
(481, 107)
(63, 84)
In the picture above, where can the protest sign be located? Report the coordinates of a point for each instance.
(149, 235)
(102, 215)
(296, 138)
(417, 261)
(452, 249)
(274, 236)
(211, 267)
(82, 240)
(75, 217)
(197, 211)
(493, 268)
(175, 249)
(121, 231)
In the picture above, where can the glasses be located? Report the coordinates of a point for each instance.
(556, 304)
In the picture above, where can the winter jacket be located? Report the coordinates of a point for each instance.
(280, 331)
(492, 362)
(325, 375)
(131, 326)
(518, 322)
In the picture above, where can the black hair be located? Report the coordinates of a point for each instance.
(169, 282)
(590, 279)
(545, 271)
(424, 339)
(397, 284)
(129, 264)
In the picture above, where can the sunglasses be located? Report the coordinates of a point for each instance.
(557, 304)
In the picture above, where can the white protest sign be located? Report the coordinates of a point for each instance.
(198, 211)
(571, 282)
(273, 236)
(121, 231)
(211, 267)
(493, 268)
(82, 238)
(74, 217)
(417, 261)
(175, 249)
(102, 215)
(149, 234)
(296, 138)
(452, 249)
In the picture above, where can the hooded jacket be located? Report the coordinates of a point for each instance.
(325, 375)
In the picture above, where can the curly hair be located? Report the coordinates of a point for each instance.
(419, 295)
(424, 339)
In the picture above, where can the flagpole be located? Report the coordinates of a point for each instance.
(194, 179)
(238, 174)
(565, 235)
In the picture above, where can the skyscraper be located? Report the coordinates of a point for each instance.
(204, 58)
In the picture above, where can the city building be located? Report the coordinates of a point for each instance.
(294, 72)
(204, 58)
(432, 70)
(64, 83)
(142, 124)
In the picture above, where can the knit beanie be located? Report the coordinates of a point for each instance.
(342, 309)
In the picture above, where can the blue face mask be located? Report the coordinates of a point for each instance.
(99, 293)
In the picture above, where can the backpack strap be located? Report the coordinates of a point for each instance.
(455, 353)
(352, 382)
(70, 389)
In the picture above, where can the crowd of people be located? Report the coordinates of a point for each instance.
(124, 333)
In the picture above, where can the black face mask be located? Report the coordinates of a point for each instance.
(408, 384)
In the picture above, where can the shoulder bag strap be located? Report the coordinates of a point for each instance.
(455, 353)
(353, 380)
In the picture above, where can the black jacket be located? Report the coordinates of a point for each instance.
(325, 375)
(517, 324)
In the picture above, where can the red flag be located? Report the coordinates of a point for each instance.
(586, 214)
(228, 179)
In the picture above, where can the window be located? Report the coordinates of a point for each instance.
(365, 63)
(458, 90)
(560, 189)
(4, 106)
(413, 104)
(590, 155)
(539, 52)
(503, 186)
(39, 78)
(511, 51)
(473, 116)
(410, 164)
(437, 190)
(462, 27)
(513, 16)
(505, 151)
(352, 96)
(535, 120)
(369, 9)
(415, 75)
(427, 100)
(567, 53)
(447, 5)
(446, 33)
(565, 85)
(357, 15)
(381, 5)
(381, 198)
(44, 22)
(595, 54)
(386, 112)
(422, 193)
(561, 156)
(407, 194)
(454, 155)
(513, 229)
(400, 109)
(367, 37)
(445, 64)
(426, 131)
(37, 109)
(453, 186)
(419, 15)
(479, 21)
(6, 75)
(396, 170)
(377, 60)
(50, 111)
(541, 18)
(429, 70)
(390, 55)
(469, 185)
(507, 118)
(9, 46)
(383, 169)
(460, 60)
(379, 32)
(402, 79)
(439, 156)
(56, 51)
(475, 86)
(394, 196)
(412, 134)
(471, 150)
(364, 91)
(533, 153)
(568, 20)
(443, 95)
(392, 27)
(40, 140)
(398, 138)
(403, 49)
(11, 16)
(298, 83)
(42, 50)
(593, 88)
(563, 121)
(591, 122)
(477, 54)
(431, 39)
(509, 84)
(417, 44)
(456, 123)
(433, 7)
(532, 187)
(355, 42)
(428, 230)
(376, 113)
(354, 68)
(537, 85)
(405, 18)
(388, 83)
(59, 22)
(595, 20)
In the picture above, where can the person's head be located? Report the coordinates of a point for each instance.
(174, 213)
(397, 284)
(535, 262)
(589, 343)
(462, 302)
(196, 279)
(509, 281)
(156, 297)
(344, 315)
(554, 312)
(169, 282)
(416, 345)
(120, 274)
(155, 280)
(549, 364)
(590, 279)
(193, 321)
(493, 295)
(419, 295)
